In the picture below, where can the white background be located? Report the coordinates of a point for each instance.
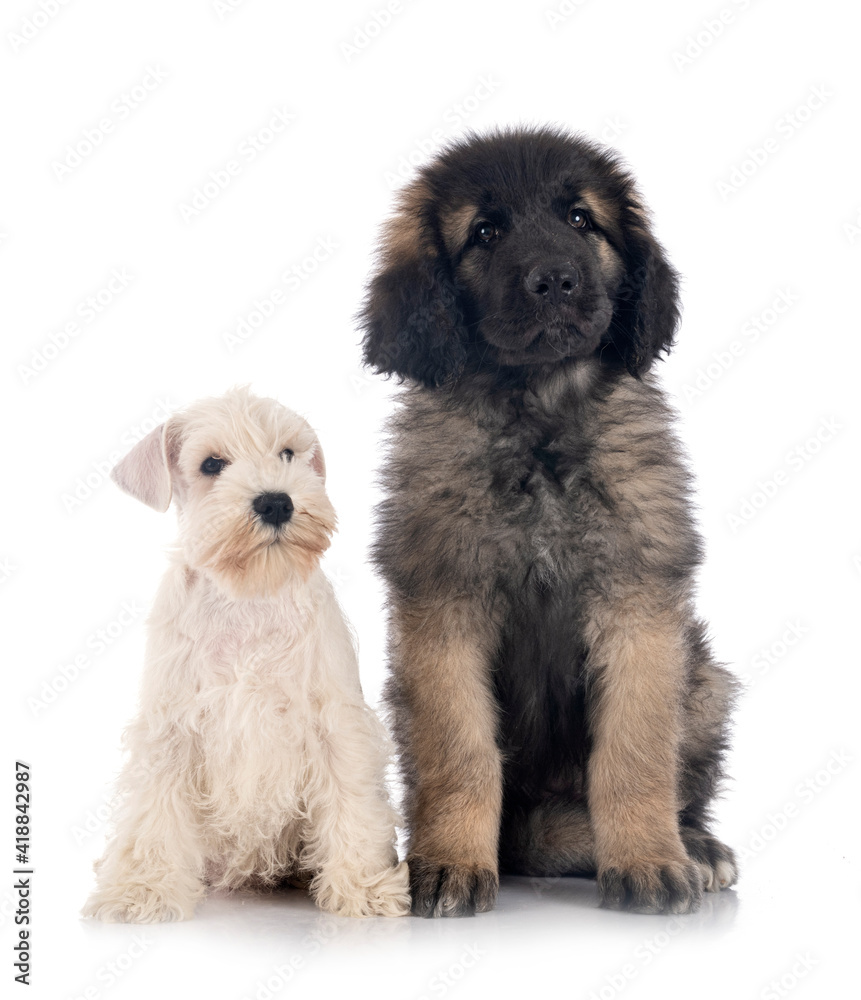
(785, 579)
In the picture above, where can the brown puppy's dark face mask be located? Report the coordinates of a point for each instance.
(537, 285)
(519, 249)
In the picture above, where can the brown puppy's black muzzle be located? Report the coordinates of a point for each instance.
(553, 284)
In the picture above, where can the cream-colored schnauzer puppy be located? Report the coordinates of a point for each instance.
(254, 759)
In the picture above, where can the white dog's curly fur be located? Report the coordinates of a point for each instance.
(254, 759)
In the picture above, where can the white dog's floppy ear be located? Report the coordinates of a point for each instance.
(318, 463)
(145, 472)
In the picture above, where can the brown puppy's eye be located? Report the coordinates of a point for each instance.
(212, 466)
(287, 453)
(578, 218)
(485, 232)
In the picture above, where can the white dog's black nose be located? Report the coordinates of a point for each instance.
(273, 508)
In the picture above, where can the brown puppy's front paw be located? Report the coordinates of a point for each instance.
(675, 887)
(450, 890)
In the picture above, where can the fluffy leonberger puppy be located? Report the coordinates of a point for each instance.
(553, 696)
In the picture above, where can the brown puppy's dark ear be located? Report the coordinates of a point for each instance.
(412, 317)
(413, 324)
(647, 305)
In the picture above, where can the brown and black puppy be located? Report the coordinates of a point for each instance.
(554, 699)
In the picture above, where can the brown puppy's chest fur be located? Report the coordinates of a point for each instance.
(553, 486)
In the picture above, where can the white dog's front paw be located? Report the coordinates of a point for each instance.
(139, 904)
(384, 895)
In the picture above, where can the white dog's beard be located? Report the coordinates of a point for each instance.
(249, 558)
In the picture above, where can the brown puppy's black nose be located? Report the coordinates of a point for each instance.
(553, 284)
(273, 508)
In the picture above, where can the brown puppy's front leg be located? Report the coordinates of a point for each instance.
(445, 724)
(638, 660)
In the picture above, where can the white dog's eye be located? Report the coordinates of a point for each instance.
(287, 453)
(212, 466)
(578, 218)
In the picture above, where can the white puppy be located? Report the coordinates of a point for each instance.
(254, 759)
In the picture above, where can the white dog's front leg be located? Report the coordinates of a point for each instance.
(351, 837)
(151, 869)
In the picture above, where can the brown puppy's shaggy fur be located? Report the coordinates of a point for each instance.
(555, 702)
